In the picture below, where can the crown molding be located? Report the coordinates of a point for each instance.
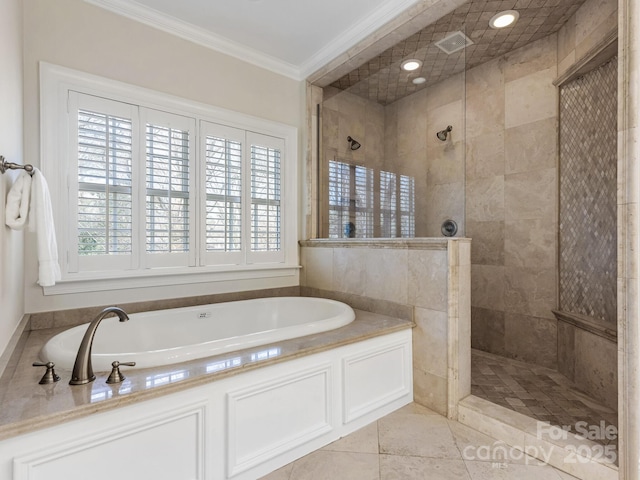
(198, 35)
(153, 18)
(356, 34)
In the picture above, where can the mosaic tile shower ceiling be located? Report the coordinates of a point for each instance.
(381, 79)
(588, 156)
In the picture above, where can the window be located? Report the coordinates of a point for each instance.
(350, 200)
(353, 196)
(155, 185)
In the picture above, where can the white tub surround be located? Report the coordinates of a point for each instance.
(27, 406)
(165, 337)
(239, 415)
(430, 277)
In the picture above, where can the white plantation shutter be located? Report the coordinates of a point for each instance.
(339, 198)
(351, 200)
(407, 206)
(156, 194)
(222, 219)
(102, 134)
(169, 183)
(265, 198)
(388, 205)
(363, 186)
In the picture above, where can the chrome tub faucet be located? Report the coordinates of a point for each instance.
(82, 369)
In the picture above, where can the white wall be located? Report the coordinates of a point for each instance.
(11, 243)
(77, 35)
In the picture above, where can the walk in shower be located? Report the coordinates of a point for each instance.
(469, 142)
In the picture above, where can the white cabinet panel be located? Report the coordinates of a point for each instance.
(269, 419)
(373, 379)
(166, 447)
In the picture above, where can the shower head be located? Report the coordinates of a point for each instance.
(354, 144)
(442, 134)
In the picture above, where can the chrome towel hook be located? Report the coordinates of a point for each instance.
(5, 165)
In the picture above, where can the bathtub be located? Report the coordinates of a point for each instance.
(163, 337)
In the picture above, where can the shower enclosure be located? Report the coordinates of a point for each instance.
(392, 151)
(468, 144)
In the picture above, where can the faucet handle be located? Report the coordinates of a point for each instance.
(50, 375)
(116, 376)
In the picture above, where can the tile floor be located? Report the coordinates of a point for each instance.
(416, 443)
(537, 392)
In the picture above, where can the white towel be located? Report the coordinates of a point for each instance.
(18, 201)
(41, 221)
(29, 200)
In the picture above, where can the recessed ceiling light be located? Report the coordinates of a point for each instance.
(419, 80)
(411, 65)
(504, 19)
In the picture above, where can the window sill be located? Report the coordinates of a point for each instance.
(100, 281)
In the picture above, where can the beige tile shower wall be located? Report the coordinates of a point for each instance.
(344, 115)
(430, 282)
(592, 23)
(347, 115)
(511, 202)
(438, 167)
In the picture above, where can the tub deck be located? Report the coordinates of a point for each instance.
(28, 406)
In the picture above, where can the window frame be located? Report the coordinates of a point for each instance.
(57, 82)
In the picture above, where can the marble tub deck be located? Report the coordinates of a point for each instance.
(28, 406)
(415, 443)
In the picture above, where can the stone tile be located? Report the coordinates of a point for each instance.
(397, 467)
(596, 367)
(567, 39)
(510, 471)
(416, 435)
(387, 274)
(485, 199)
(430, 340)
(326, 465)
(446, 201)
(485, 112)
(364, 440)
(445, 92)
(531, 339)
(349, 270)
(415, 408)
(446, 162)
(532, 146)
(477, 446)
(427, 287)
(591, 16)
(485, 155)
(487, 245)
(531, 195)
(412, 124)
(318, 267)
(488, 287)
(440, 117)
(566, 347)
(487, 330)
(283, 473)
(531, 98)
(430, 390)
(530, 291)
(532, 58)
(530, 243)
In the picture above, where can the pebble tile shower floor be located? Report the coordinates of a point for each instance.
(537, 392)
